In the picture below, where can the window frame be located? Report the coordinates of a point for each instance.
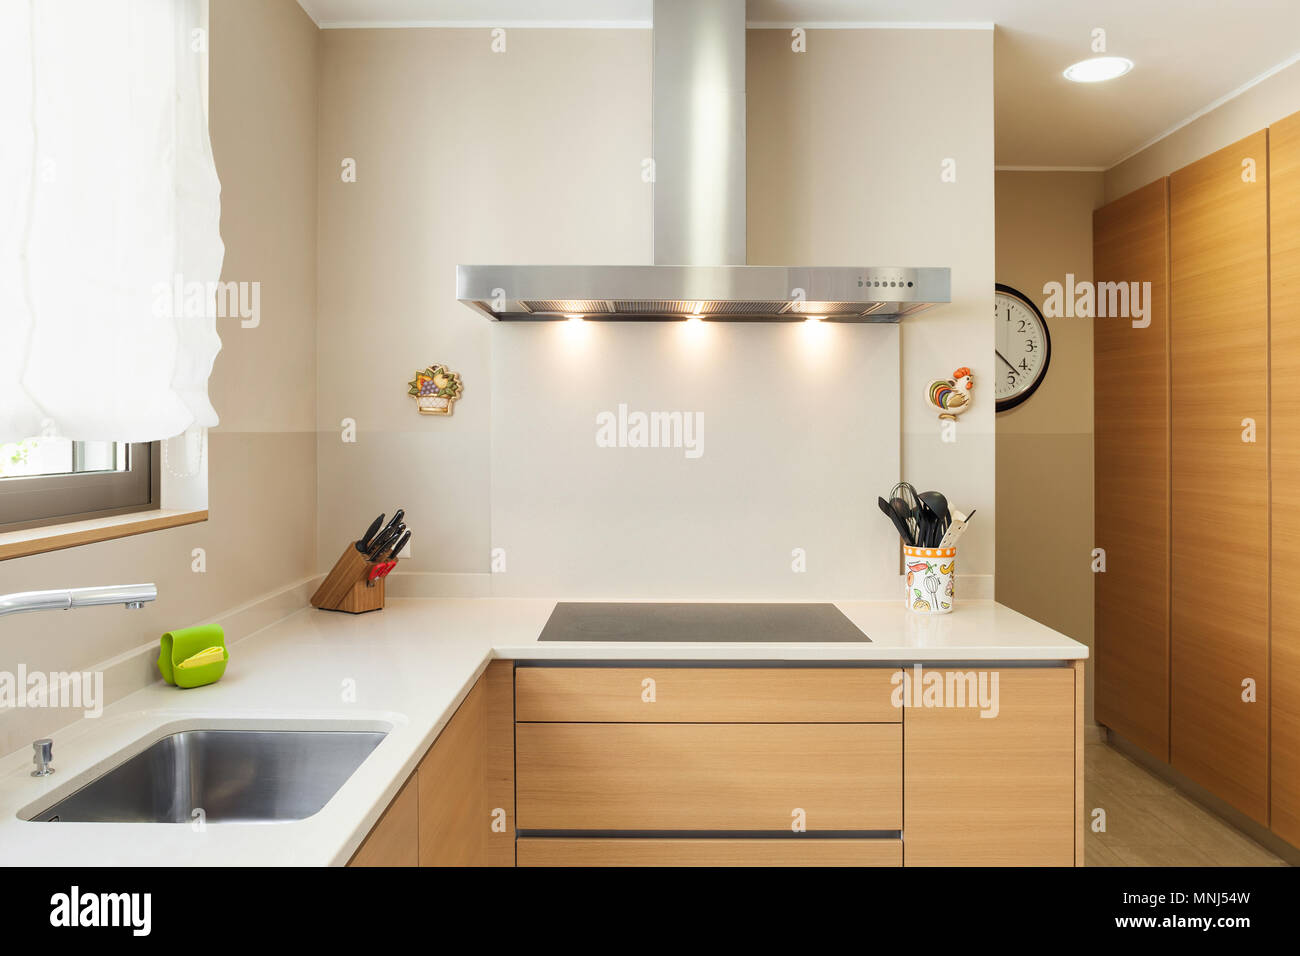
(40, 501)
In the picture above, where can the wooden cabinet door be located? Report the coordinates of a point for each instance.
(499, 688)
(1219, 378)
(466, 780)
(394, 841)
(1131, 486)
(1284, 446)
(454, 817)
(705, 851)
(709, 776)
(767, 695)
(995, 791)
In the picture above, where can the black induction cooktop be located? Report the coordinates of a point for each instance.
(682, 623)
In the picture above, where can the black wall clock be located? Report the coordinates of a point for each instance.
(1024, 347)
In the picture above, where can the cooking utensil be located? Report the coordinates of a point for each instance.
(900, 523)
(956, 529)
(909, 518)
(899, 509)
(929, 524)
(910, 508)
(938, 505)
(363, 544)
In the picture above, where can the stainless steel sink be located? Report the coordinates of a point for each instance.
(232, 776)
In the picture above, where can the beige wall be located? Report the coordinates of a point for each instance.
(534, 156)
(1044, 445)
(262, 461)
(463, 155)
(846, 145)
(1263, 104)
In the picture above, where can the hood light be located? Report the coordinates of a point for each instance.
(1097, 69)
(575, 318)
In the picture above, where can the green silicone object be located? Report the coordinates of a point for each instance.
(185, 643)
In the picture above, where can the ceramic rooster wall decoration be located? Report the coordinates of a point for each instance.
(952, 396)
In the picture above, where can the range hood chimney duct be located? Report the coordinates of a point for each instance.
(698, 132)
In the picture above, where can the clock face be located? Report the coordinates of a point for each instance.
(1023, 347)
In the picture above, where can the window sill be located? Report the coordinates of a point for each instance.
(18, 544)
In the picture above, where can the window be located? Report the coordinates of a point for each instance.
(51, 480)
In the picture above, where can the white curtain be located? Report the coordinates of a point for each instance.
(109, 208)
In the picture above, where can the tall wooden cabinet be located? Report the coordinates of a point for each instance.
(1196, 651)
(1218, 267)
(1284, 683)
(1131, 482)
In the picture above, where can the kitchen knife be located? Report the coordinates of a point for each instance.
(364, 544)
(398, 515)
(397, 548)
(383, 540)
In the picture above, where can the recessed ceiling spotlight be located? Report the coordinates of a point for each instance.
(1098, 68)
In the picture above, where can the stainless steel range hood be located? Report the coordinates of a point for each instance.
(698, 143)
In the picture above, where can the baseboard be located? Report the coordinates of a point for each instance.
(1194, 791)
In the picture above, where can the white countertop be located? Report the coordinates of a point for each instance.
(410, 666)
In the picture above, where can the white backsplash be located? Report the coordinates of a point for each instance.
(800, 434)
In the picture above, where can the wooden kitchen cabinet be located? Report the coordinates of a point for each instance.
(999, 791)
(619, 776)
(458, 808)
(682, 787)
(466, 780)
(1284, 451)
(1219, 340)
(1131, 474)
(454, 816)
(703, 851)
(499, 692)
(394, 841)
(704, 694)
(961, 790)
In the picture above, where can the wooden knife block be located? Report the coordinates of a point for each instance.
(347, 587)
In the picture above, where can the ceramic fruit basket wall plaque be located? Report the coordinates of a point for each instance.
(436, 390)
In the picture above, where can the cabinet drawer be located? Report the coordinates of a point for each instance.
(707, 851)
(708, 776)
(704, 694)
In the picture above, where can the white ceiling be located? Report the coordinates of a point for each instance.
(1189, 54)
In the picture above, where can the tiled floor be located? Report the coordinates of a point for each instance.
(1149, 823)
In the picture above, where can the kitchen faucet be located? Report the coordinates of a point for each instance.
(133, 596)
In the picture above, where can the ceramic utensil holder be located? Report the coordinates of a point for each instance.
(355, 584)
(931, 573)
